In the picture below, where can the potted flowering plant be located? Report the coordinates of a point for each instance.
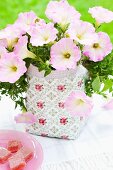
(59, 64)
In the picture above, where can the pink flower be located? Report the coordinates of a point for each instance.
(39, 87)
(78, 104)
(61, 105)
(26, 20)
(101, 14)
(82, 32)
(21, 48)
(2, 52)
(11, 33)
(109, 105)
(63, 121)
(27, 117)
(3, 43)
(61, 88)
(42, 121)
(40, 105)
(11, 68)
(61, 12)
(100, 49)
(64, 54)
(43, 34)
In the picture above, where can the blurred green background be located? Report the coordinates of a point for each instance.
(9, 10)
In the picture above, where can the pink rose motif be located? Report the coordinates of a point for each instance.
(64, 137)
(63, 121)
(61, 105)
(40, 105)
(61, 88)
(42, 121)
(39, 87)
(80, 83)
(44, 135)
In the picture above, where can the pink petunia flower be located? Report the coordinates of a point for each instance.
(109, 105)
(21, 48)
(43, 34)
(64, 54)
(11, 68)
(3, 45)
(78, 104)
(100, 49)
(11, 34)
(26, 20)
(62, 13)
(27, 117)
(82, 32)
(2, 52)
(101, 14)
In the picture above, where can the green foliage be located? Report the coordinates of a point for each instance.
(42, 56)
(15, 91)
(99, 74)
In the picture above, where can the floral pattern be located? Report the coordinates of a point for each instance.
(61, 87)
(39, 87)
(48, 105)
(63, 121)
(40, 105)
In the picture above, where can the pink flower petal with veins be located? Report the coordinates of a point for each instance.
(78, 104)
(27, 117)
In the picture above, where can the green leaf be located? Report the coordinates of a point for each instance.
(96, 84)
(107, 85)
(47, 72)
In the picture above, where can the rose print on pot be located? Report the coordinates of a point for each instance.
(63, 121)
(61, 88)
(79, 84)
(64, 137)
(39, 87)
(44, 134)
(40, 105)
(42, 121)
(61, 105)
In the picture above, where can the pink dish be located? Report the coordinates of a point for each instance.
(28, 141)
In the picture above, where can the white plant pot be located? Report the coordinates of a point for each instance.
(46, 99)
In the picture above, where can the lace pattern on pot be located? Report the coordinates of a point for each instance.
(46, 99)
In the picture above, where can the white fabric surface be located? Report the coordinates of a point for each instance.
(93, 150)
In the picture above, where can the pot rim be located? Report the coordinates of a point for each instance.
(80, 70)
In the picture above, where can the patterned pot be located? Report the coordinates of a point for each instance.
(46, 99)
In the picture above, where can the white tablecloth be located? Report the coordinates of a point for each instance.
(93, 150)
